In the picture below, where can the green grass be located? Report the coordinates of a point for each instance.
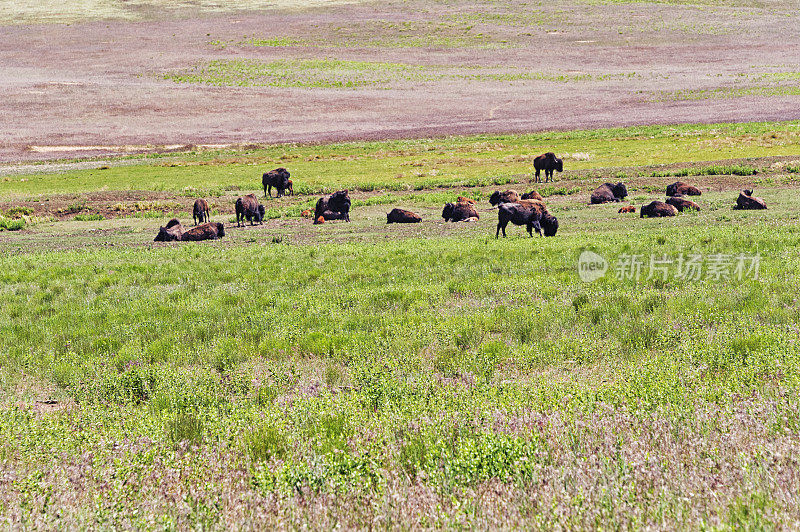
(421, 163)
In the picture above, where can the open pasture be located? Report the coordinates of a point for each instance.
(364, 375)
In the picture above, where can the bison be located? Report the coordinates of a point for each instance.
(682, 189)
(509, 196)
(290, 187)
(401, 216)
(207, 231)
(172, 232)
(247, 207)
(333, 207)
(278, 178)
(747, 201)
(657, 209)
(462, 199)
(626, 209)
(459, 212)
(200, 211)
(608, 192)
(682, 204)
(547, 162)
(534, 215)
(533, 195)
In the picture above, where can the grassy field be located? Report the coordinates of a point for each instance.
(364, 375)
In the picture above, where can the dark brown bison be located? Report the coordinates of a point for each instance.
(459, 212)
(200, 211)
(278, 178)
(682, 204)
(206, 231)
(532, 214)
(247, 207)
(333, 207)
(508, 196)
(402, 216)
(532, 195)
(547, 162)
(608, 192)
(627, 208)
(171, 232)
(683, 189)
(657, 209)
(747, 201)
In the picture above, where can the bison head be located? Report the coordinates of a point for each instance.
(494, 199)
(559, 165)
(549, 224)
(220, 229)
(619, 190)
(447, 212)
(261, 212)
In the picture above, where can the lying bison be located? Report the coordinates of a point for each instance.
(170, 233)
(459, 212)
(200, 211)
(247, 207)
(333, 207)
(206, 231)
(547, 162)
(683, 189)
(532, 195)
(682, 204)
(508, 196)
(657, 209)
(626, 209)
(746, 201)
(278, 178)
(462, 199)
(402, 216)
(532, 214)
(608, 192)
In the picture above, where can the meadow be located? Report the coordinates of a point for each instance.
(364, 375)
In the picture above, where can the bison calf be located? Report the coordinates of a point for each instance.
(402, 216)
(533, 215)
(627, 208)
(248, 208)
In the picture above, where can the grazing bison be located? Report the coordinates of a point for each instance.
(627, 208)
(509, 196)
(747, 201)
(682, 204)
(459, 212)
(402, 216)
(207, 231)
(247, 207)
(534, 215)
(657, 209)
(172, 232)
(533, 195)
(547, 162)
(462, 199)
(200, 211)
(608, 192)
(278, 178)
(333, 207)
(682, 189)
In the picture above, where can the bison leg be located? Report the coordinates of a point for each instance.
(538, 179)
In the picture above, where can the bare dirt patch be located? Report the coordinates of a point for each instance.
(99, 87)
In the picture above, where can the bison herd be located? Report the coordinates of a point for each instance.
(527, 209)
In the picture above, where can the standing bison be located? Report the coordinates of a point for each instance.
(746, 201)
(547, 162)
(608, 192)
(333, 207)
(459, 212)
(508, 196)
(683, 189)
(657, 209)
(402, 216)
(247, 207)
(531, 213)
(200, 211)
(278, 178)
